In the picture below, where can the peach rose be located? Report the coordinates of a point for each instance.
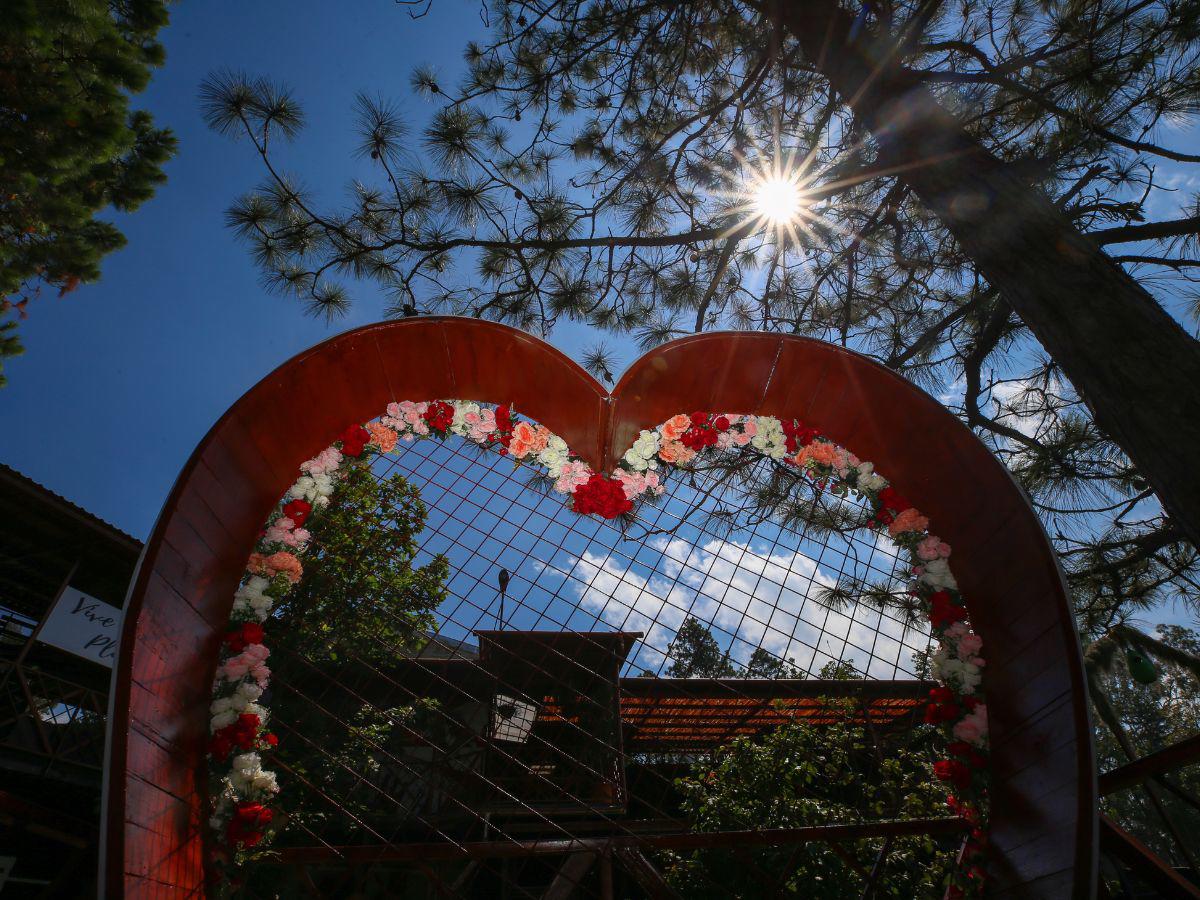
(909, 520)
(382, 437)
(674, 453)
(675, 427)
(528, 439)
(281, 563)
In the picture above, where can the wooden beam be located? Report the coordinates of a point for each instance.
(569, 874)
(1144, 863)
(1169, 758)
(674, 841)
(649, 879)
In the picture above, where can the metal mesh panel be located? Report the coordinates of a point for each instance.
(756, 587)
(547, 713)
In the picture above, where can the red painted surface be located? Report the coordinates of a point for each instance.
(1044, 793)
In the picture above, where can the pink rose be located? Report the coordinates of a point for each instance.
(572, 475)
(324, 462)
(969, 645)
(973, 728)
(932, 548)
(956, 631)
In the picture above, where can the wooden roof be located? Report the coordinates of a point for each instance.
(681, 714)
(43, 535)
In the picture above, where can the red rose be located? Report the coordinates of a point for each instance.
(893, 500)
(439, 416)
(941, 694)
(943, 611)
(698, 438)
(936, 714)
(602, 497)
(699, 418)
(243, 636)
(271, 739)
(798, 434)
(970, 701)
(239, 735)
(298, 511)
(721, 423)
(248, 824)
(977, 760)
(354, 440)
(958, 748)
(220, 745)
(953, 772)
(504, 426)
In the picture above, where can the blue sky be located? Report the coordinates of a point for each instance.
(122, 378)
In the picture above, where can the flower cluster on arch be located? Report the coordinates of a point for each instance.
(244, 792)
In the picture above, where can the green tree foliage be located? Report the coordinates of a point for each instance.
(361, 605)
(765, 664)
(591, 165)
(69, 144)
(695, 653)
(1150, 717)
(802, 775)
(361, 597)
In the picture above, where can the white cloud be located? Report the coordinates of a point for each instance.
(749, 599)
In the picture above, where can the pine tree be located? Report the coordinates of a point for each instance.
(765, 664)
(695, 653)
(361, 605)
(965, 219)
(69, 144)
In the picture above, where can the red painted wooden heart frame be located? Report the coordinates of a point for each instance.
(1043, 823)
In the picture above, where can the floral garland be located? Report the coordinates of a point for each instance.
(243, 792)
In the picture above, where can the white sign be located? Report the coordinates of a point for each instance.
(84, 626)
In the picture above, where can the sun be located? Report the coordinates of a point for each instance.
(777, 199)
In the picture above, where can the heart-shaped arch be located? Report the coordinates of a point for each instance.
(1043, 790)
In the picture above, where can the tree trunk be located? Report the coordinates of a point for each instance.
(1132, 364)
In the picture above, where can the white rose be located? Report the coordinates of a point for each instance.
(249, 690)
(220, 705)
(553, 459)
(936, 573)
(872, 483)
(634, 461)
(246, 762)
(461, 411)
(769, 438)
(304, 487)
(265, 781)
(220, 720)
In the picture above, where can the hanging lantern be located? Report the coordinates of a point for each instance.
(1140, 666)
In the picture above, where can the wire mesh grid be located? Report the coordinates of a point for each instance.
(501, 724)
(755, 588)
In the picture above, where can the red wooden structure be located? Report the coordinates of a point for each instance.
(1044, 821)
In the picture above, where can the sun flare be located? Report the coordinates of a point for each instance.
(777, 199)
